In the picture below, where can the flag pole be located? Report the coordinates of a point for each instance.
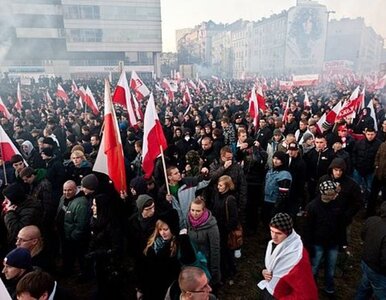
(2, 158)
(164, 167)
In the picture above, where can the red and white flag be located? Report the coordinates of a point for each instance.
(289, 262)
(192, 85)
(8, 149)
(137, 108)
(285, 85)
(202, 85)
(110, 159)
(122, 96)
(260, 98)
(153, 138)
(74, 88)
(18, 104)
(5, 110)
(286, 109)
(373, 114)
(140, 89)
(305, 80)
(187, 98)
(169, 89)
(48, 98)
(60, 92)
(381, 83)
(90, 101)
(306, 101)
(254, 107)
(349, 108)
(330, 118)
(82, 93)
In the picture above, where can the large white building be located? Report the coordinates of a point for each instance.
(79, 37)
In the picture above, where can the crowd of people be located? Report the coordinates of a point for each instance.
(60, 219)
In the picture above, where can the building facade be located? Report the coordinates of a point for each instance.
(79, 37)
(352, 40)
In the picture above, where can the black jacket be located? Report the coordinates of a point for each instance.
(363, 155)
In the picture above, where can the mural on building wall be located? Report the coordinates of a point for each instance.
(306, 36)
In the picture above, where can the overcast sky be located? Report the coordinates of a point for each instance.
(178, 14)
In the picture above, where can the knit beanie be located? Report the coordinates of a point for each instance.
(48, 152)
(280, 155)
(307, 136)
(142, 200)
(328, 187)
(90, 182)
(283, 222)
(14, 193)
(19, 258)
(172, 220)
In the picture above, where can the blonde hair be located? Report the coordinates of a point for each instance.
(77, 153)
(150, 242)
(228, 182)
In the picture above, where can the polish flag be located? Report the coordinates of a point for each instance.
(48, 98)
(373, 114)
(8, 149)
(381, 83)
(74, 88)
(62, 94)
(202, 85)
(260, 98)
(192, 84)
(122, 96)
(140, 89)
(289, 263)
(254, 108)
(306, 102)
(137, 108)
(110, 159)
(153, 138)
(329, 118)
(82, 93)
(285, 85)
(167, 86)
(5, 110)
(18, 104)
(187, 98)
(90, 101)
(286, 109)
(349, 108)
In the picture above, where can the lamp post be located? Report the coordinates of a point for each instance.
(328, 20)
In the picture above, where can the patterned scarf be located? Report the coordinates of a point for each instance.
(201, 220)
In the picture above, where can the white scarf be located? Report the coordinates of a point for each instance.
(281, 260)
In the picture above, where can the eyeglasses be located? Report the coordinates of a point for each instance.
(19, 239)
(205, 289)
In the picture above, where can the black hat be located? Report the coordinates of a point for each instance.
(280, 155)
(172, 220)
(49, 141)
(14, 193)
(48, 151)
(90, 182)
(19, 258)
(283, 222)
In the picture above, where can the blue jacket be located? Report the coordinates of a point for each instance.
(272, 179)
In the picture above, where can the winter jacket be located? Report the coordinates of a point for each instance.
(78, 173)
(273, 181)
(207, 239)
(26, 213)
(374, 237)
(236, 172)
(363, 155)
(350, 196)
(188, 187)
(76, 218)
(325, 224)
(380, 162)
(318, 163)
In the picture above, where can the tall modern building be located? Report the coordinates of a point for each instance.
(79, 37)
